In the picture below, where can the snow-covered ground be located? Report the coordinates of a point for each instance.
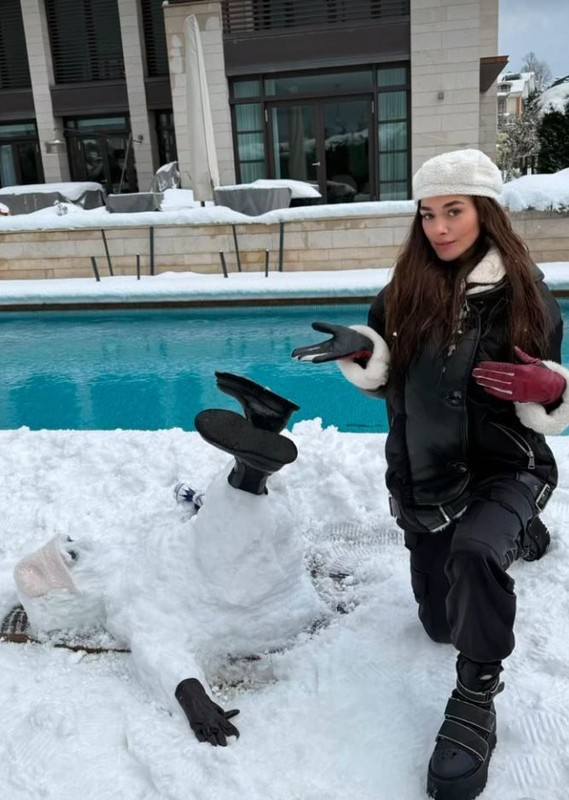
(191, 286)
(350, 711)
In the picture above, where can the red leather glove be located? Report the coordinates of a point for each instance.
(529, 382)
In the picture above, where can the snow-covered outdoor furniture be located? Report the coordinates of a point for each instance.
(264, 195)
(134, 202)
(166, 177)
(252, 200)
(33, 197)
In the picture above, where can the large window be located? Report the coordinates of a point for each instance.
(393, 133)
(14, 68)
(85, 40)
(346, 132)
(250, 141)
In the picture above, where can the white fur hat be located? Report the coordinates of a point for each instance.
(468, 172)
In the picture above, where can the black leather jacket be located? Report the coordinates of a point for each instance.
(446, 433)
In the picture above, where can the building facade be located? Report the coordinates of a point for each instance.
(514, 90)
(351, 95)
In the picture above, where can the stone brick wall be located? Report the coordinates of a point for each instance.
(311, 244)
(448, 38)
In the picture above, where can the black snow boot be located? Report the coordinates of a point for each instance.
(257, 452)
(535, 540)
(265, 409)
(458, 769)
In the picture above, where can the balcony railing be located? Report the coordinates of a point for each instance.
(263, 16)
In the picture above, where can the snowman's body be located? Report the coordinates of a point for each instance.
(232, 582)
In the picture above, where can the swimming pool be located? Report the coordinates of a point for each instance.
(149, 369)
(153, 369)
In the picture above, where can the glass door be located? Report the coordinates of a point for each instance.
(346, 125)
(326, 143)
(101, 158)
(295, 153)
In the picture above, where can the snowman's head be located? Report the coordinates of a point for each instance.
(60, 587)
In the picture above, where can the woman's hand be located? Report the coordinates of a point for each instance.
(528, 382)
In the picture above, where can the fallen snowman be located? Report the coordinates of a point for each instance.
(234, 584)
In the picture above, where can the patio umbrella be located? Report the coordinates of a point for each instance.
(202, 157)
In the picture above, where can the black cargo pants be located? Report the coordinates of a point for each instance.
(459, 577)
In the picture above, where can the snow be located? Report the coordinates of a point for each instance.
(191, 286)
(542, 192)
(519, 84)
(298, 188)
(351, 710)
(555, 98)
(186, 212)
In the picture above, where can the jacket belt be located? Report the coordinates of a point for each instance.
(438, 517)
(540, 490)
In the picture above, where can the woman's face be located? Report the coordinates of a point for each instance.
(450, 223)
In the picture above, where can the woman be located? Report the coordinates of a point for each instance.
(455, 344)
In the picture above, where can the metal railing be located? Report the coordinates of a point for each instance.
(263, 16)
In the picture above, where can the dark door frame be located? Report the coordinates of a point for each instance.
(76, 138)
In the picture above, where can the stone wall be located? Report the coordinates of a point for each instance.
(310, 244)
(448, 38)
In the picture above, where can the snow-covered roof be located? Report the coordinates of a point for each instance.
(520, 83)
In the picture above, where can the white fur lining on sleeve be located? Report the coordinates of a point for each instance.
(534, 415)
(376, 371)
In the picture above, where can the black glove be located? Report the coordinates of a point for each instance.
(209, 722)
(345, 342)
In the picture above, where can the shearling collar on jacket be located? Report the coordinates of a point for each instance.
(487, 273)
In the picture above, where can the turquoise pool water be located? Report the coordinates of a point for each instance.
(154, 369)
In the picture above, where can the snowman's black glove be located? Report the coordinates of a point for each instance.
(345, 343)
(209, 722)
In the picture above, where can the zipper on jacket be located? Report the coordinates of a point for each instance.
(519, 441)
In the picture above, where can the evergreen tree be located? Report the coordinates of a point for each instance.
(554, 140)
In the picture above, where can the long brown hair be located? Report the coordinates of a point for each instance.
(425, 295)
